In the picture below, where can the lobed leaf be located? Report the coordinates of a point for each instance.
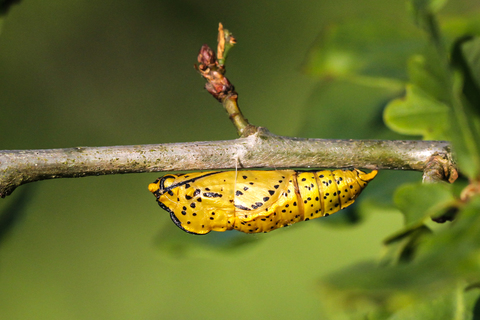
(418, 114)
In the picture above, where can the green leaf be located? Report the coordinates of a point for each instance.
(429, 73)
(418, 114)
(419, 202)
(425, 108)
(402, 247)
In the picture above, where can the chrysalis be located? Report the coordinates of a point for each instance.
(255, 201)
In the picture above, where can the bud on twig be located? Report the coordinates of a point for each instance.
(207, 57)
(217, 84)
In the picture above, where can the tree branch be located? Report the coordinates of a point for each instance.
(260, 150)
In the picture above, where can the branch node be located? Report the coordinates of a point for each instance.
(440, 168)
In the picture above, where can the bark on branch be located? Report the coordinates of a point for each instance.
(260, 150)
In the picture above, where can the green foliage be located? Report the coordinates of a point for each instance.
(438, 267)
(427, 271)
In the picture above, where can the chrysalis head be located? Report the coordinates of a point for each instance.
(165, 190)
(197, 202)
(162, 185)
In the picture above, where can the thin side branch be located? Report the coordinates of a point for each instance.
(212, 68)
(260, 150)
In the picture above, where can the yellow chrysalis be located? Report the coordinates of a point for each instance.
(255, 201)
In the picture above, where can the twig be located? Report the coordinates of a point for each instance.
(213, 70)
(260, 150)
(226, 40)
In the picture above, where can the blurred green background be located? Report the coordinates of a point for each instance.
(74, 73)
